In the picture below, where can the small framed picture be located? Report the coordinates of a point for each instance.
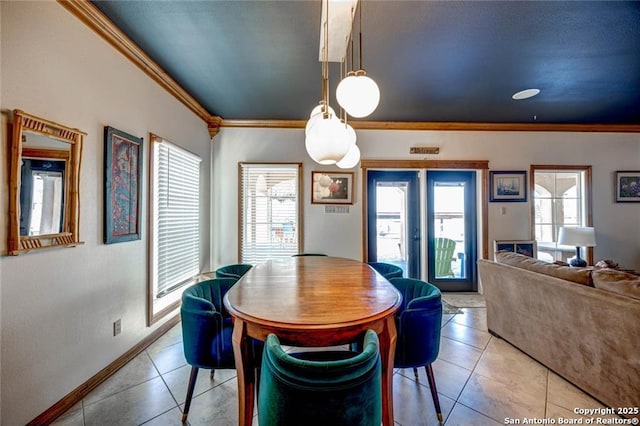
(122, 186)
(332, 187)
(508, 186)
(627, 187)
(525, 247)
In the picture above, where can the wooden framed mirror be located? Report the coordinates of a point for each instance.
(44, 199)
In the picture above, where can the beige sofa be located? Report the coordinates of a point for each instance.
(583, 324)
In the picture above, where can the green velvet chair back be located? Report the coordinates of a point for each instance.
(235, 271)
(387, 270)
(444, 248)
(337, 388)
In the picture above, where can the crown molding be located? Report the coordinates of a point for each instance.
(441, 126)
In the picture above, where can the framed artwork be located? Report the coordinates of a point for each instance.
(332, 188)
(627, 187)
(508, 186)
(526, 247)
(122, 186)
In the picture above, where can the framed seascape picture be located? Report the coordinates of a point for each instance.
(526, 247)
(332, 188)
(122, 186)
(508, 186)
(627, 187)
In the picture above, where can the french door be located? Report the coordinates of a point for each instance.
(393, 217)
(400, 213)
(452, 229)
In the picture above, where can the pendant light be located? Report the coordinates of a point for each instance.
(358, 94)
(352, 158)
(327, 140)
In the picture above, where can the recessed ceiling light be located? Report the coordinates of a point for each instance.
(525, 94)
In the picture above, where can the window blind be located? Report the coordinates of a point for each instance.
(176, 216)
(269, 209)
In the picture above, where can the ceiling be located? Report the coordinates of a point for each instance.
(434, 61)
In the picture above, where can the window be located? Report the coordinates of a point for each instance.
(269, 210)
(561, 197)
(174, 224)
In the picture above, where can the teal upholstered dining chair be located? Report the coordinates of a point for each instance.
(320, 388)
(387, 270)
(207, 330)
(235, 271)
(418, 323)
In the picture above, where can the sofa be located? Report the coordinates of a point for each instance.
(582, 323)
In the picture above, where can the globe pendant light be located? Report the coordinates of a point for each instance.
(316, 115)
(358, 94)
(327, 140)
(351, 159)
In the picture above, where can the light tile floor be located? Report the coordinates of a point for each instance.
(481, 379)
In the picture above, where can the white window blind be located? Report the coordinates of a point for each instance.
(269, 213)
(176, 225)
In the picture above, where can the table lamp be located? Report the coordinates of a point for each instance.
(578, 237)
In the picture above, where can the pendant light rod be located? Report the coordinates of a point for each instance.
(360, 36)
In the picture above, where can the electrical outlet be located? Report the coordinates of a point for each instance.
(117, 327)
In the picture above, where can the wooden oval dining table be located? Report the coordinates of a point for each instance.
(311, 301)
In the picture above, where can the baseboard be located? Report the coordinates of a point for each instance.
(75, 396)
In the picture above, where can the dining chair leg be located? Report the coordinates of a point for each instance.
(190, 388)
(213, 371)
(415, 373)
(434, 391)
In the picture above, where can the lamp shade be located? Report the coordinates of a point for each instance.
(327, 141)
(316, 115)
(358, 94)
(351, 159)
(577, 236)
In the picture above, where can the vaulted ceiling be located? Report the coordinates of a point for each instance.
(434, 61)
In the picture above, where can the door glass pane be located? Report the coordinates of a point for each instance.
(391, 220)
(449, 216)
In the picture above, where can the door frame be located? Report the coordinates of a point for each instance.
(481, 166)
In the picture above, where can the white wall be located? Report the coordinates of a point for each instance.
(338, 234)
(58, 305)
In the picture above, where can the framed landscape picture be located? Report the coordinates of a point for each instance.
(508, 186)
(122, 198)
(526, 247)
(628, 187)
(332, 187)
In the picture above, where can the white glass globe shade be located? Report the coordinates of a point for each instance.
(351, 159)
(327, 141)
(351, 134)
(359, 95)
(316, 114)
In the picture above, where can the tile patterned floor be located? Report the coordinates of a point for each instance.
(482, 380)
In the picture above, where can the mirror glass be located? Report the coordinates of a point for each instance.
(42, 184)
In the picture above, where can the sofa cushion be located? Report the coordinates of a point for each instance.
(576, 275)
(617, 282)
